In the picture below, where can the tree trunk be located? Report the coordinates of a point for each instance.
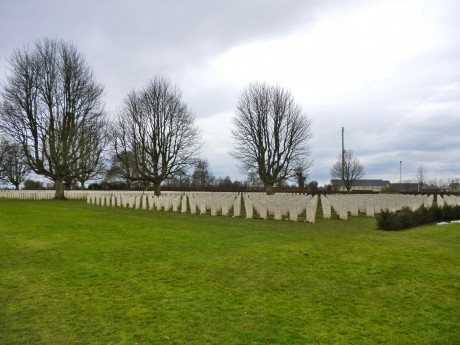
(156, 188)
(16, 186)
(59, 183)
(348, 186)
(269, 189)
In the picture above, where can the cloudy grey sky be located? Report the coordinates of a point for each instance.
(386, 70)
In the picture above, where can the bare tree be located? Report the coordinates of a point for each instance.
(90, 163)
(312, 186)
(122, 166)
(180, 179)
(50, 102)
(253, 179)
(421, 177)
(224, 182)
(201, 176)
(13, 165)
(156, 126)
(271, 133)
(2, 157)
(349, 170)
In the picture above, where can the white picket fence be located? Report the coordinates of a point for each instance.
(281, 206)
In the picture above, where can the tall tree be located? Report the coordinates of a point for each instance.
(348, 169)
(312, 186)
(180, 179)
(253, 179)
(157, 127)
(224, 181)
(271, 133)
(2, 156)
(50, 100)
(91, 160)
(121, 167)
(421, 177)
(13, 165)
(201, 176)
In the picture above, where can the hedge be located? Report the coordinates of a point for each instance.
(406, 218)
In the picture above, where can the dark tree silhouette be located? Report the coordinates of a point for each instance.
(300, 177)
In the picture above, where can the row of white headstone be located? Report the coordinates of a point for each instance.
(43, 194)
(371, 204)
(216, 203)
(137, 200)
(278, 206)
(281, 206)
(196, 203)
(450, 200)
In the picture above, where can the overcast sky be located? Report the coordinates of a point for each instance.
(388, 71)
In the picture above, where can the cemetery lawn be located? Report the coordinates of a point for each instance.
(72, 273)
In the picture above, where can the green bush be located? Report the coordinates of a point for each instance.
(406, 218)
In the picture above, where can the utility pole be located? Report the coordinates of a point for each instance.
(400, 168)
(343, 159)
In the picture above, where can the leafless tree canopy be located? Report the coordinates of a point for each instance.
(157, 128)
(272, 134)
(52, 108)
(350, 171)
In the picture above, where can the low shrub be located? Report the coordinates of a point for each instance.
(406, 218)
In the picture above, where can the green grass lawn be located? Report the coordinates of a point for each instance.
(77, 274)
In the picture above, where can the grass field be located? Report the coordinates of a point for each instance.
(77, 274)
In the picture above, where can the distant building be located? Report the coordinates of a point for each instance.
(361, 185)
(413, 187)
(405, 187)
(386, 186)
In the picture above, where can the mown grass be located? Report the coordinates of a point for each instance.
(77, 274)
